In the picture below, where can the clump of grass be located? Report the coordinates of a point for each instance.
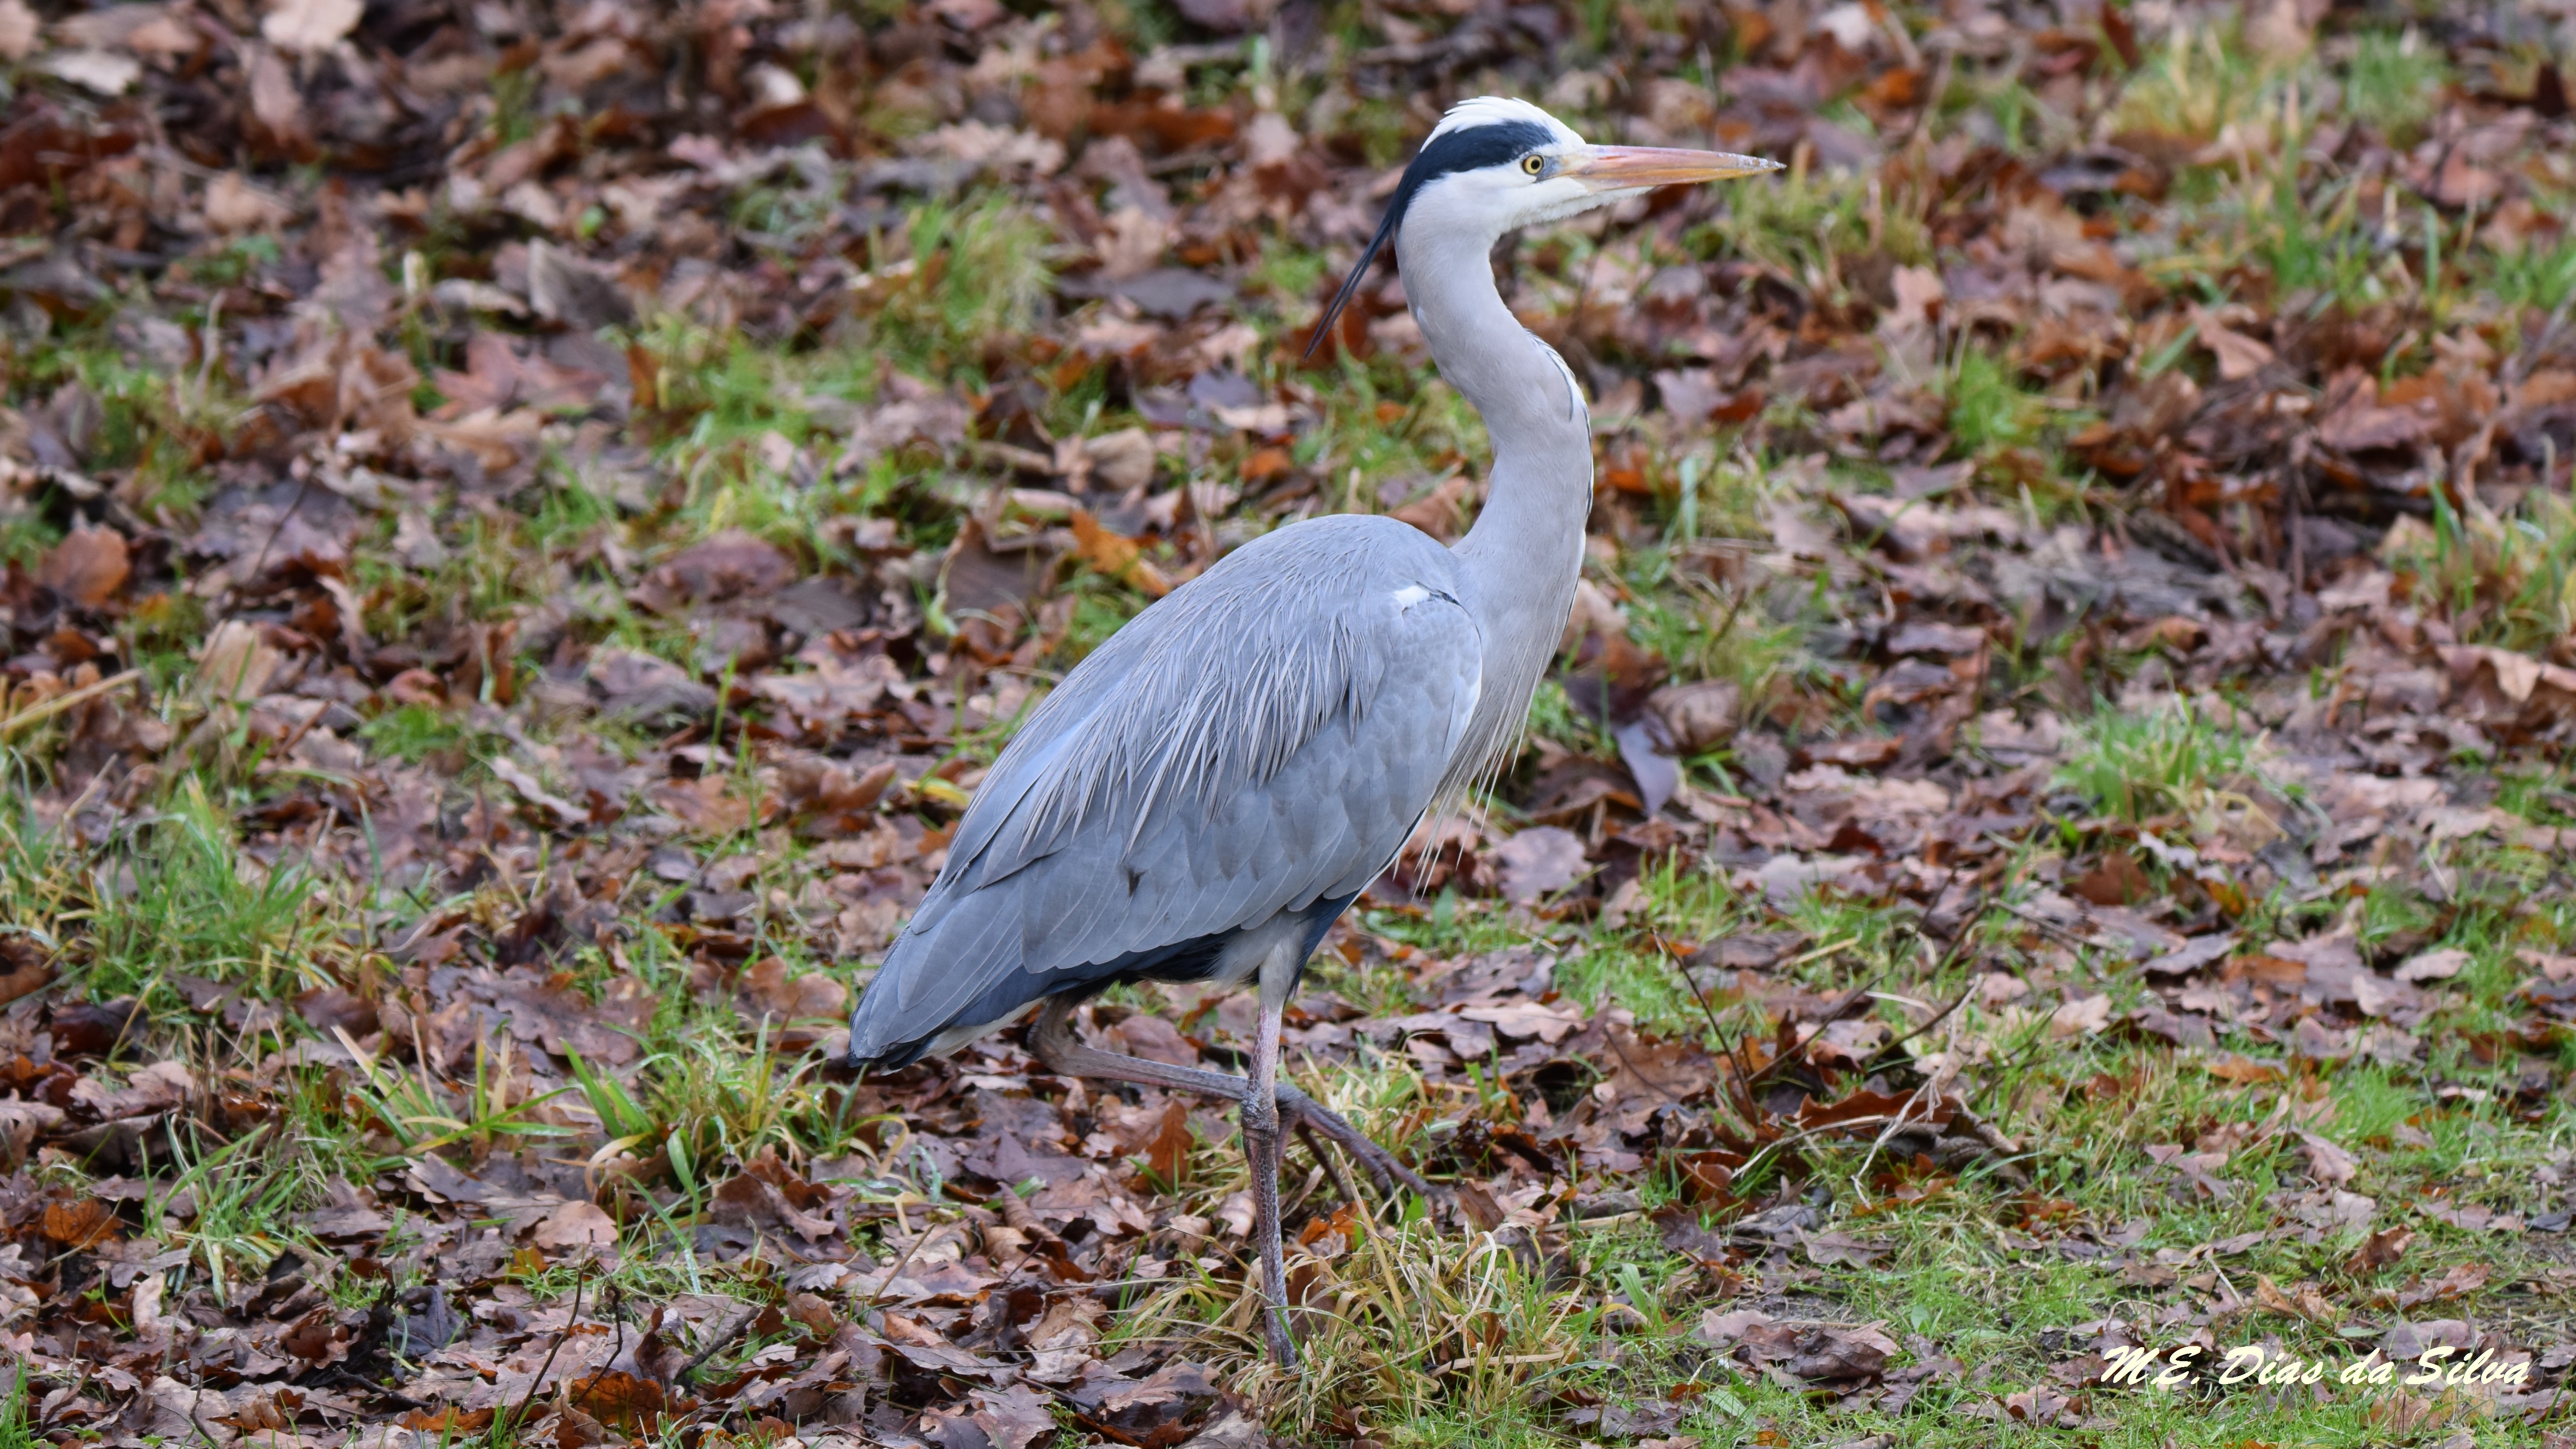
(1803, 224)
(2175, 760)
(421, 1116)
(2535, 277)
(704, 1098)
(170, 897)
(229, 1206)
(1988, 408)
(17, 1426)
(1402, 1323)
(2394, 83)
(1555, 715)
(2194, 86)
(2508, 581)
(969, 275)
(414, 732)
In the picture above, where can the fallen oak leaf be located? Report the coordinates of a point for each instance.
(31, 976)
(87, 567)
(2433, 965)
(2301, 1301)
(79, 1224)
(310, 25)
(2239, 356)
(2458, 1280)
(2379, 1250)
(1818, 1352)
(621, 1399)
(1115, 555)
(574, 1225)
(2328, 1162)
(1827, 1249)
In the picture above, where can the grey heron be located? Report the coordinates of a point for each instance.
(1205, 793)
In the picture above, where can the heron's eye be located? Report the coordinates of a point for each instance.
(1533, 163)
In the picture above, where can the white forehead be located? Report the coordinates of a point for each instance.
(1490, 110)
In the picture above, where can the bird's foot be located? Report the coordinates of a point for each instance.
(1383, 1166)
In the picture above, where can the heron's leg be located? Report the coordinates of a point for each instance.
(1261, 1150)
(1053, 1041)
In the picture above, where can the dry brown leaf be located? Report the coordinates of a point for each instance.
(19, 29)
(235, 206)
(576, 1224)
(310, 25)
(2328, 1162)
(2379, 1250)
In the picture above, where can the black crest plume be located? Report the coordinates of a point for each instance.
(1469, 148)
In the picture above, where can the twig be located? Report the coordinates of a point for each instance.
(716, 1344)
(1895, 1124)
(1937, 1019)
(200, 1424)
(616, 1315)
(1705, 1010)
(1986, 1132)
(1801, 1135)
(2051, 928)
(520, 1414)
(1948, 878)
(901, 1263)
(1850, 999)
(1950, 958)
(303, 486)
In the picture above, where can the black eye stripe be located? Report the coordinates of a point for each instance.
(1472, 148)
(1469, 148)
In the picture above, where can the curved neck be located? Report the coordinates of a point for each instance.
(1532, 406)
(1525, 553)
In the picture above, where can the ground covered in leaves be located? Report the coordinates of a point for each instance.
(525, 522)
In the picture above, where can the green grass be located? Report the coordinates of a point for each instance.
(1804, 226)
(237, 1197)
(167, 896)
(2509, 582)
(2195, 85)
(2534, 277)
(415, 732)
(1988, 407)
(948, 293)
(17, 1423)
(2394, 83)
(2177, 759)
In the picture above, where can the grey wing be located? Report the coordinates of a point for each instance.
(1262, 740)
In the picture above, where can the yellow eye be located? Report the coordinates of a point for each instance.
(1533, 163)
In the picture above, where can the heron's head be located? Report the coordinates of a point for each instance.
(1495, 164)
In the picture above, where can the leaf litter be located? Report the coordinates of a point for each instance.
(525, 526)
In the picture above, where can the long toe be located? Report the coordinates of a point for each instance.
(1384, 1167)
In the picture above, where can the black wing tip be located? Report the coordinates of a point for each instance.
(890, 1058)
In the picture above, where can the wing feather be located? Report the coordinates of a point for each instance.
(1262, 739)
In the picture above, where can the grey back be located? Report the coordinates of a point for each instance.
(1260, 740)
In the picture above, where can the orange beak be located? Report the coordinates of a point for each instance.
(1633, 168)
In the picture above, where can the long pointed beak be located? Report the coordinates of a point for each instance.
(1631, 168)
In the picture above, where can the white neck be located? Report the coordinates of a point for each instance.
(1525, 554)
